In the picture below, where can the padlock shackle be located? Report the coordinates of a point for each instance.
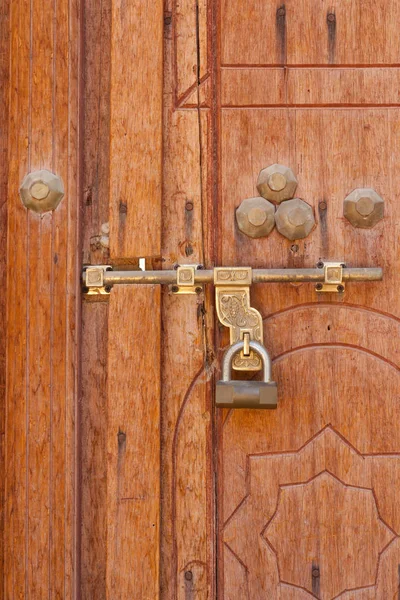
(257, 347)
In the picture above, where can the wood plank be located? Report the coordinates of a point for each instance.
(133, 478)
(309, 87)
(136, 128)
(93, 414)
(96, 128)
(40, 440)
(93, 426)
(187, 510)
(4, 99)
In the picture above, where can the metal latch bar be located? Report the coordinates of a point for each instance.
(169, 277)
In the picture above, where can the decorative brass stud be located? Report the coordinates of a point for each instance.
(364, 208)
(294, 219)
(42, 191)
(255, 217)
(277, 183)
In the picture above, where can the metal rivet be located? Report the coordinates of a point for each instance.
(41, 191)
(331, 17)
(322, 205)
(188, 575)
(189, 205)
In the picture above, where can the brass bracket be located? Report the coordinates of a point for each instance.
(94, 282)
(333, 282)
(185, 280)
(232, 294)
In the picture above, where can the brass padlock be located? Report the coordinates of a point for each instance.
(246, 394)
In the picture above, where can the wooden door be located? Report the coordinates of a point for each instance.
(131, 485)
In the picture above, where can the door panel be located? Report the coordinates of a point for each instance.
(305, 490)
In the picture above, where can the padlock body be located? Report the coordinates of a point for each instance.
(246, 394)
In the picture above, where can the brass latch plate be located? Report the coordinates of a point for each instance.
(333, 278)
(185, 280)
(232, 293)
(94, 282)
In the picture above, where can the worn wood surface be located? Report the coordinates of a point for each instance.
(187, 509)
(42, 307)
(300, 490)
(95, 214)
(136, 128)
(4, 95)
(93, 468)
(133, 443)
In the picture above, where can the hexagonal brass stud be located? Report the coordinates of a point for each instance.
(294, 219)
(256, 217)
(363, 208)
(41, 191)
(277, 183)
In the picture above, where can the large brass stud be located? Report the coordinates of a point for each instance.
(256, 217)
(41, 191)
(364, 208)
(277, 183)
(294, 219)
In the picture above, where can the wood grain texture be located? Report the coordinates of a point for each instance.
(42, 306)
(93, 414)
(187, 508)
(309, 87)
(136, 128)
(133, 443)
(298, 32)
(4, 99)
(96, 128)
(93, 427)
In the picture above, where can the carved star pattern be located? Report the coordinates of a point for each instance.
(313, 507)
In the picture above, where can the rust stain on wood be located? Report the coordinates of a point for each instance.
(331, 24)
(315, 579)
(281, 32)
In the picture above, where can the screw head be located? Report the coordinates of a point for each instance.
(294, 219)
(364, 208)
(277, 183)
(41, 191)
(255, 217)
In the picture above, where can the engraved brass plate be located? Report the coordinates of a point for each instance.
(232, 292)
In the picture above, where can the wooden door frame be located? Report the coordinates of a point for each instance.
(39, 549)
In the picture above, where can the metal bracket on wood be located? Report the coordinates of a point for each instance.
(333, 278)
